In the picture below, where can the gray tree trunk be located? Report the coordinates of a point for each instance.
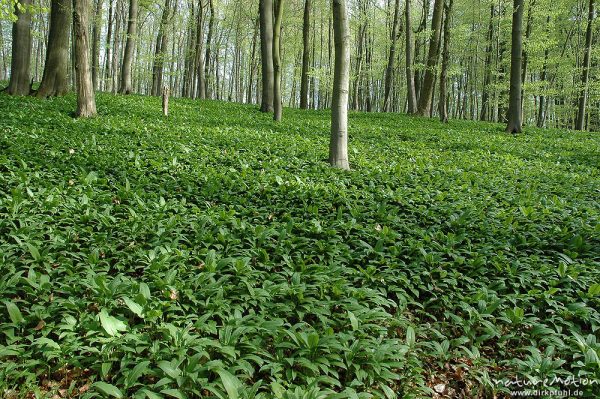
(338, 145)
(126, 85)
(514, 116)
(389, 71)
(266, 53)
(86, 101)
(487, 74)
(55, 81)
(209, 35)
(443, 101)
(426, 96)
(277, 101)
(305, 56)
(201, 92)
(21, 52)
(585, 76)
(410, 76)
(97, 28)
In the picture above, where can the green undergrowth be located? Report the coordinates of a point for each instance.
(215, 254)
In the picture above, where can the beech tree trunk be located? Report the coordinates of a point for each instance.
(389, 71)
(585, 76)
(21, 52)
(514, 116)
(277, 101)
(426, 96)
(305, 56)
(159, 53)
(487, 74)
(86, 101)
(201, 84)
(443, 103)
(126, 86)
(266, 53)
(209, 35)
(55, 80)
(97, 28)
(338, 145)
(410, 76)
(107, 57)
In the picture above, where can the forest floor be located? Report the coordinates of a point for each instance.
(214, 253)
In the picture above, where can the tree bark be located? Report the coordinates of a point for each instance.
(389, 71)
(266, 52)
(209, 35)
(55, 80)
(96, 43)
(107, 57)
(514, 116)
(585, 75)
(443, 101)
(487, 74)
(201, 83)
(410, 76)
(21, 52)
(126, 86)
(338, 145)
(305, 56)
(277, 101)
(432, 59)
(86, 101)
(159, 53)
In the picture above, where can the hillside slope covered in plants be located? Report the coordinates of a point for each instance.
(215, 253)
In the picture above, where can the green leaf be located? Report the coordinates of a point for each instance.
(168, 369)
(137, 372)
(150, 394)
(176, 393)
(108, 389)
(230, 383)
(35, 253)
(594, 290)
(410, 336)
(14, 313)
(111, 324)
(134, 307)
(353, 321)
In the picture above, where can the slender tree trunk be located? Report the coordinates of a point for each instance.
(160, 49)
(410, 76)
(97, 27)
(200, 67)
(541, 119)
(277, 101)
(86, 101)
(126, 80)
(21, 52)
(514, 116)
(580, 121)
(266, 52)
(389, 71)
(443, 101)
(209, 36)
(107, 57)
(338, 146)
(249, 93)
(525, 54)
(487, 75)
(425, 98)
(305, 55)
(115, 50)
(55, 80)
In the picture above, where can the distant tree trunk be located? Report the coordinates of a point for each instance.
(425, 98)
(55, 80)
(580, 121)
(21, 52)
(96, 29)
(209, 35)
(115, 48)
(443, 104)
(277, 101)
(107, 57)
(487, 74)
(266, 52)
(410, 76)
(389, 71)
(525, 54)
(305, 55)
(160, 49)
(338, 146)
(201, 84)
(362, 29)
(541, 118)
(126, 81)
(514, 116)
(86, 101)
